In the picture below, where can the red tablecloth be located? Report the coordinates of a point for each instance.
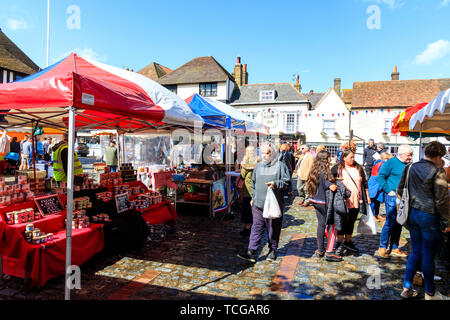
(160, 179)
(160, 213)
(46, 261)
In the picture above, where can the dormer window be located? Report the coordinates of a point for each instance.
(267, 95)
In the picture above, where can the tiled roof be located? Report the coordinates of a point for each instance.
(396, 93)
(12, 58)
(154, 71)
(314, 98)
(249, 93)
(347, 95)
(198, 70)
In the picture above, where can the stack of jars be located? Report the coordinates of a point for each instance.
(35, 236)
(17, 193)
(110, 179)
(105, 196)
(102, 217)
(79, 220)
(122, 189)
(82, 203)
(22, 216)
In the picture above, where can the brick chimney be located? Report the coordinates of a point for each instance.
(245, 75)
(297, 83)
(337, 85)
(395, 75)
(238, 73)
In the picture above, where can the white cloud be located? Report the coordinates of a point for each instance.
(391, 4)
(445, 3)
(433, 52)
(88, 53)
(16, 24)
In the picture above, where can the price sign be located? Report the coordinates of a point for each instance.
(122, 202)
(49, 204)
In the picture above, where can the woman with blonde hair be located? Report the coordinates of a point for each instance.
(247, 166)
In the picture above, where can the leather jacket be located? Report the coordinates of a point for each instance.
(336, 205)
(428, 190)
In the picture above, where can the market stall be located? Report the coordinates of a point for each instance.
(94, 96)
(218, 115)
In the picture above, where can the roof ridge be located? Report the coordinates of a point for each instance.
(17, 54)
(301, 94)
(397, 81)
(261, 84)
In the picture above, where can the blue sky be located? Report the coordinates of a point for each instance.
(317, 39)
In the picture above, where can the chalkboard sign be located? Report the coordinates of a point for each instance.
(122, 202)
(49, 204)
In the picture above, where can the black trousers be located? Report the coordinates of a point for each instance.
(348, 222)
(246, 213)
(321, 214)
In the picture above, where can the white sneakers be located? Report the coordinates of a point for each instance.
(437, 296)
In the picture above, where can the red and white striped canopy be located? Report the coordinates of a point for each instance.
(104, 96)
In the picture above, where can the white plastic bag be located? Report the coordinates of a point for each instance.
(271, 208)
(367, 223)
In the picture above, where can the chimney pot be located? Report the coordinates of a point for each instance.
(297, 80)
(337, 85)
(238, 60)
(245, 67)
(311, 91)
(128, 69)
(395, 75)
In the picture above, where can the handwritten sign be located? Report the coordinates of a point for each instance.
(122, 202)
(49, 204)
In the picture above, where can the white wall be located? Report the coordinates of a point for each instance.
(280, 111)
(331, 104)
(186, 90)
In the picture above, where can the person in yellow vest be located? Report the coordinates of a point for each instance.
(60, 155)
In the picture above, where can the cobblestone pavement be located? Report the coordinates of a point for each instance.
(198, 261)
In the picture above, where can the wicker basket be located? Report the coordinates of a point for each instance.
(40, 174)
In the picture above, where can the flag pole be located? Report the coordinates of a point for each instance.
(48, 31)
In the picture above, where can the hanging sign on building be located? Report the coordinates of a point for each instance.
(270, 118)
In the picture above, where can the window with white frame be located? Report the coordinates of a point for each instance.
(388, 123)
(333, 149)
(290, 124)
(329, 127)
(267, 95)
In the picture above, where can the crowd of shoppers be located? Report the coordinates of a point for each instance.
(340, 192)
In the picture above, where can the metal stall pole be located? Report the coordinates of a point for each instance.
(70, 183)
(229, 160)
(420, 142)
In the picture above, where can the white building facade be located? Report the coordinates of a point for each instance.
(279, 106)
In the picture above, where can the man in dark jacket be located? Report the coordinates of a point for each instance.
(368, 159)
(272, 173)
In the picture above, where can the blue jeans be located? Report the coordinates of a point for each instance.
(391, 230)
(113, 168)
(424, 229)
(375, 206)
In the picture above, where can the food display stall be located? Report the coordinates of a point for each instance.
(93, 96)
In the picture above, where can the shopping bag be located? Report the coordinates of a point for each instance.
(403, 208)
(271, 208)
(367, 224)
